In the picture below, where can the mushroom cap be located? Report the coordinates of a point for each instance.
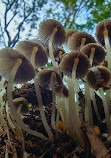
(67, 62)
(96, 75)
(62, 91)
(23, 101)
(100, 27)
(44, 78)
(8, 58)
(69, 32)
(56, 53)
(99, 54)
(74, 41)
(46, 28)
(26, 47)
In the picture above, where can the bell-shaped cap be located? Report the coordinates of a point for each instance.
(46, 28)
(74, 42)
(98, 76)
(8, 58)
(26, 48)
(67, 62)
(44, 78)
(101, 26)
(99, 54)
(23, 101)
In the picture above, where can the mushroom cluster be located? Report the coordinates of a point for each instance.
(83, 62)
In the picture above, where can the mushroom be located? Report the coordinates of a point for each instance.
(14, 67)
(74, 65)
(34, 51)
(53, 32)
(62, 95)
(68, 34)
(103, 35)
(58, 52)
(95, 53)
(78, 40)
(49, 79)
(21, 105)
(97, 77)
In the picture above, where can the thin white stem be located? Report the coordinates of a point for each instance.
(34, 51)
(50, 47)
(88, 108)
(95, 105)
(40, 104)
(108, 48)
(106, 111)
(11, 105)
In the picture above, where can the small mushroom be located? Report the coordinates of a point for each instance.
(34, 51)
(22, 102)
(95, 53)
(103, 35)
(79, 39)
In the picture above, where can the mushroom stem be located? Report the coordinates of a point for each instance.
(11, 105)
(40, 104)
(95, 105)
(74, 116)
(108, 48)
(82, 43)
(106, 111)
(88, 109)
(53, 75)
(92, 55)
(34, 51)
(50, 47)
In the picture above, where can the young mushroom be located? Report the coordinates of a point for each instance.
(95, 53)
(15, 68)
(51, 32)
(79, 39)
(103, 35)
(21, 105)
(34, 51)
(75, 65)
(97, 77)
(49, 79)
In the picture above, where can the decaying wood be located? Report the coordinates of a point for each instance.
(97, 145)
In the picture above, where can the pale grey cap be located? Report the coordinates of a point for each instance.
(26, 47)
(46, 28)
(8, 58)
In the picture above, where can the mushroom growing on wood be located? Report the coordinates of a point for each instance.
(16, 69)
(51, 32)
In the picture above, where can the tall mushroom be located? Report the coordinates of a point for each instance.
(51, 32)
(49, 79)
(74, 65)
(35, 52)
(15, 68)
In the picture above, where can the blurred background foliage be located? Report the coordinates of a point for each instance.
(19, 19)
